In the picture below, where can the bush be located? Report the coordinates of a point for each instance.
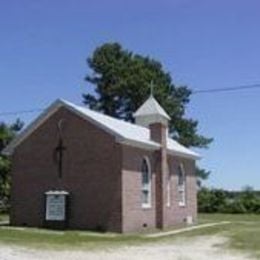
(221, 201)
(234, 207)
(4, 205)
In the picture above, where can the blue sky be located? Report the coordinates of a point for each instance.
(203, 44)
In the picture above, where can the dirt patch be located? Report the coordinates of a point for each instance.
(202, 248)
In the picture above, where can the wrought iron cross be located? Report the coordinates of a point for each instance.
(60, 149)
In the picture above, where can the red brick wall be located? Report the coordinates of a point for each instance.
(92, 174)
(134, 216)
(177, 214)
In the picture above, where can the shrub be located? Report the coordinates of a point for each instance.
(221, 201)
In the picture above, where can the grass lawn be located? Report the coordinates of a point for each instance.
(244, 234)
(45, 238)
(244, 231)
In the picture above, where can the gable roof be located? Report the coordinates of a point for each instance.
(123, 131)
(151, 107)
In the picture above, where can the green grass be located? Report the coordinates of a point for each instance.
(244, 234)
(45, 238)
(61, 240)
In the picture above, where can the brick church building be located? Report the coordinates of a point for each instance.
(79, 169)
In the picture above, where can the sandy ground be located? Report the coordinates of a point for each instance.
(202, 248)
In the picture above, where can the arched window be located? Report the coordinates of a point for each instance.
(146, 183)
(181, 185)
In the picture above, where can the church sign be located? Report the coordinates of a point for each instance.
(56, 205)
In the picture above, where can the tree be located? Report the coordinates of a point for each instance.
(202, 175)
(7, 133)
(250, 199)
(122, 83)
(212, 200)
(220, 201)
(205, 200)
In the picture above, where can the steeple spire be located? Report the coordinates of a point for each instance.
(151, 112)
(151, 88)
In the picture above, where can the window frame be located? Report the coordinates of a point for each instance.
(148, 186)
(181, 187)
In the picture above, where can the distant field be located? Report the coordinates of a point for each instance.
(243, 234)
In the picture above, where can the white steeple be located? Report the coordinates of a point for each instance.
(151, 112)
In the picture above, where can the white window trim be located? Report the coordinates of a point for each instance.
(182, 188)
(149, 186)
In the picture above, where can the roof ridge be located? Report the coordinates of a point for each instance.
(124, 131)
(112, 118)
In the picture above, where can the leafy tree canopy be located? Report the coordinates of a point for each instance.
(222, 201)
(7, 133)
(122, 83)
